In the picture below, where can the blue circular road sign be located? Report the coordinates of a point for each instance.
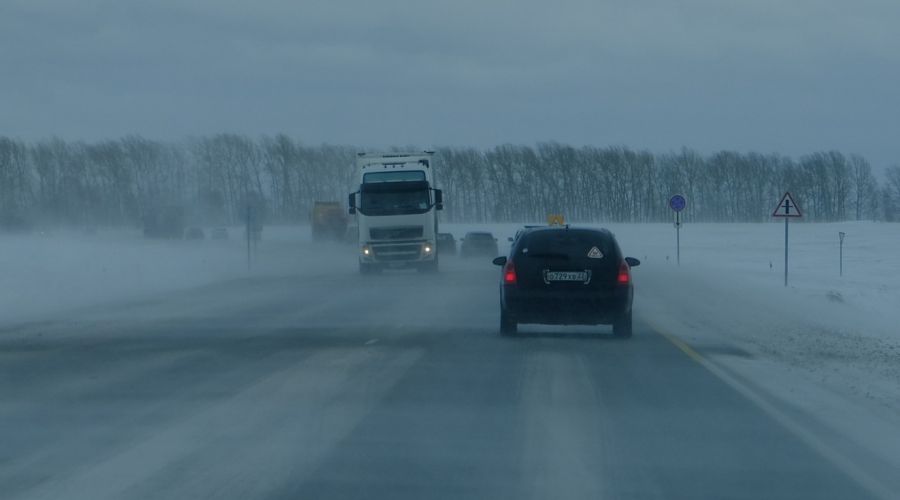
(677, 203)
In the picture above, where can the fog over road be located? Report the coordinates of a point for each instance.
(328, 384)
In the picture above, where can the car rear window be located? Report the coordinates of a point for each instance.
(574, 244)
(480, 236)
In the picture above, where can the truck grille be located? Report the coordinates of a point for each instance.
(395, 233)
(396, 252)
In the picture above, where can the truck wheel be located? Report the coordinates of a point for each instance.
(508, 324)
(622, 326)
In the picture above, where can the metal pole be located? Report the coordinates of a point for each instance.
(678, 242)
(248, 236)
(842, 257)
(786, 251)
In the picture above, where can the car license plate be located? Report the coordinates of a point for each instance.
(577, 276)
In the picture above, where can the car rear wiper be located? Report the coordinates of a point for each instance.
(548, 255)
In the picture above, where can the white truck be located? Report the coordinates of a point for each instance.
(396, 208)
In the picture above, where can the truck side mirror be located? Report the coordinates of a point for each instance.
(352, 202)
(438, 199)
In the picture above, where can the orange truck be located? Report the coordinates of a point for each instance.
(329, 221)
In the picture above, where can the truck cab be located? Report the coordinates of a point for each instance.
(396, 206)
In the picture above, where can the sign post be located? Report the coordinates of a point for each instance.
(677, 204)
(841, 235)
(786, 209)
(247, 231)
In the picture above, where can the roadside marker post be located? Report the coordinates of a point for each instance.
(786, 209)
(841, 235)
(677, 204)
(247, 231)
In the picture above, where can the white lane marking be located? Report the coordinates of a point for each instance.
(370, 342)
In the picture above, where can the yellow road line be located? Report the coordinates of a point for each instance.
(845, 464)
(681, 346)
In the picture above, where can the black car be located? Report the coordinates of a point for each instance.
(479, 243)
(446, 244)
(566, 276)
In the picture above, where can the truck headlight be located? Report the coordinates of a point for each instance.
(366, 251)
(427, 248)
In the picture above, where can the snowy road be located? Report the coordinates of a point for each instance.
(333, 385)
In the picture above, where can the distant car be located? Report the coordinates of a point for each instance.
(193, 233)
(446, 244)
(478, 243)
(219, 233)
(568, 276)
(520, 231)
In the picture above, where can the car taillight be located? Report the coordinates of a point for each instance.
(624, 274)
(509, 274)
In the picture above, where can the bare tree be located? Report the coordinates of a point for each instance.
(891, 193)
(862, 184)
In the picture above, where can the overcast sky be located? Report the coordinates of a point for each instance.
(788, 76)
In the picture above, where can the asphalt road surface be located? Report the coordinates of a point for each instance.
(336, 385)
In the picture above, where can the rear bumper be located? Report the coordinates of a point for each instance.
(571, 308)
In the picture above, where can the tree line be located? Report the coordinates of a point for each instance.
(117, 182)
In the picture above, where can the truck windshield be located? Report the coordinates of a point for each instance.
(394, 198)
(395, 176)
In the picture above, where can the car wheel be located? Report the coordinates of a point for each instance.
(622, 326)
(508, 324)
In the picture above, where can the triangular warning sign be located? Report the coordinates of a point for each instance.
(787, 207)
(595, 253)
